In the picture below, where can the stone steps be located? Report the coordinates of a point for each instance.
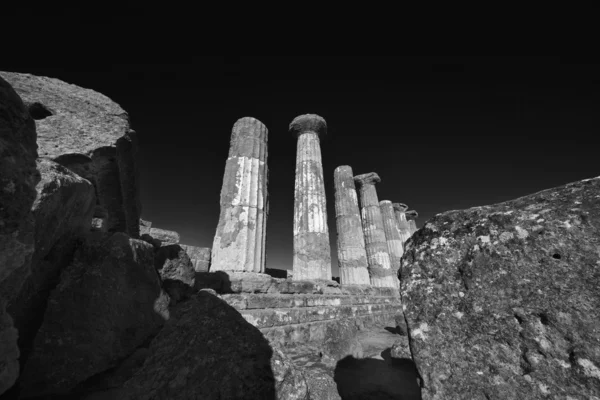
(269, 301)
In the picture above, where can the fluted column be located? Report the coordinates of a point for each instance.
(312, 253)
(239, 243)
(352, 256)
(392, 234)
(378, 258)
(403, 225)
(411, 216)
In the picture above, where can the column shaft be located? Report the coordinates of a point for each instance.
(352, 256)
(403, 225)
(240, 238)
(392, 234)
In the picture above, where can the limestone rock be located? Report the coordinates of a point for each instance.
(90, 134)
(401, 349)
(18, 177)
(502, 301)
(208, 351)
(62, 211)
(106, 304)
(341, 340)
(200, 257)
(176, 271)
(160, 237)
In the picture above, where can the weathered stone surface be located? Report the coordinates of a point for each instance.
(176, 271)
(378, 258)
(62, 212)
(403, 224)
(107, 303)
(18, 178)
(206, 350)
(352, 256)
(200, 257)
(502, 301)
(312, 252)
(276, 273)
(392, 235)
(411, 216)
(88, 133)
(160, 237)
(240, 239)
(401, 349)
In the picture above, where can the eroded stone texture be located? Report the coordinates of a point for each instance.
(411, 216)
(378, 258)
(312, 252)
(502, 301)
(239, 243)
(62, 211)
(108, 302)
(176, 271)
(392, 234)
(403, 224)
(18, 178)
(352, 256)
(160, 237)
(90, 134)
(200, 257)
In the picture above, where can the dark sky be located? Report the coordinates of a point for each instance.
(442, 133)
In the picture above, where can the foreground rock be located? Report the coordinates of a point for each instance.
(62, 211)
(18, 177)
(502, 302)
(88, 133)
(208, 351)
(176, 271)
(108, 303)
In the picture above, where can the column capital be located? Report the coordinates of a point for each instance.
(412, 214)
(308, 123)
(400, 207)
(367, 179)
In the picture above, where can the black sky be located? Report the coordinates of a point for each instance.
(443, 133)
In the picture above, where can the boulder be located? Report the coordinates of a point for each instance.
(200, 257)
(176, 271)
(502, 301)
(90, 134)
(208, 351)
(18, 178)
(160, 237)
(108, 302)
(62, 212)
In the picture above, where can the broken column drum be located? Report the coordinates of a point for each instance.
(403, 225)
(378, 258)
(239, 243)
(411, 216)
(392, 234)
(312, 253)
(352, 256)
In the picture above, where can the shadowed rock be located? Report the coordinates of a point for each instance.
(176, 271)
(502, 301)
(18, 178)
(88, 133)
(312, 252)
(200, 257)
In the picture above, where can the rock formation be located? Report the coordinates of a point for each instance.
(88, 133)
(159, 237)
(403, 225)
(502, 301)
(312, 252)
(176, 271)
(378, 258)
(18, 179)
(352, 256)
(411, 216)
(392, 234)
(239, 243)
(200, 257)
(107, 303)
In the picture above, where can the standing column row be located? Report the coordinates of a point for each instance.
(352, 256)
(378, 258)
(239, 243)
(312, 252)
(392, 234)
(411, 217)
(403, 225)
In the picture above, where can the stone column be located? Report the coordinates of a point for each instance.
(239, 243)
(312, 253)
(352, 256)
(392, 234)
(378, 257)
(411, 216)
(403, 225)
